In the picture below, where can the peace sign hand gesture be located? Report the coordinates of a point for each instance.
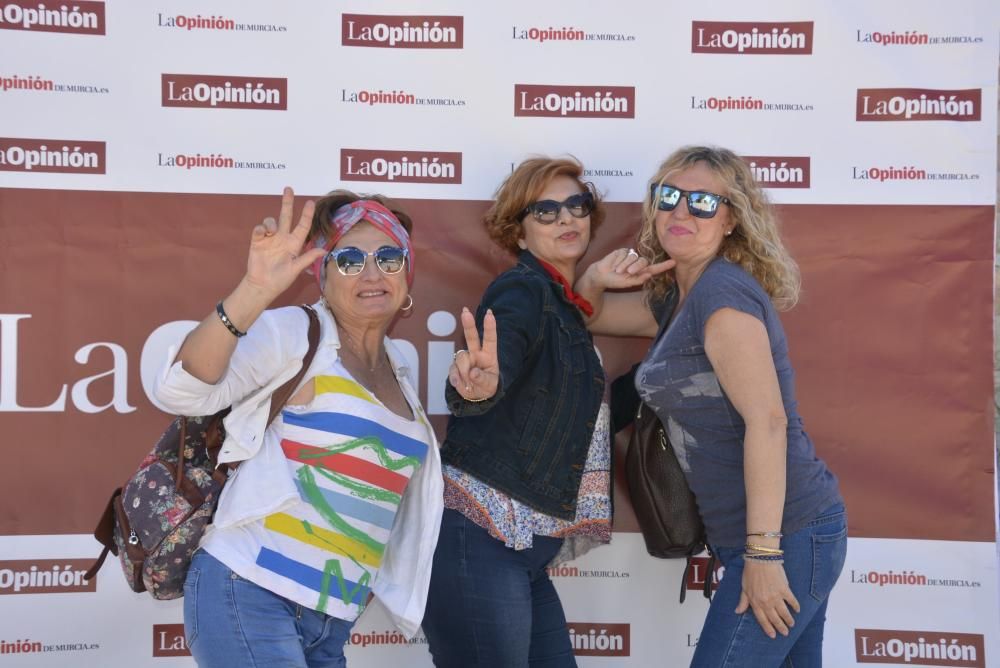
(475, 372)
(276, 257)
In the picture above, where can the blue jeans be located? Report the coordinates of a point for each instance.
(230, 622)
(490, 605)
(814, 557)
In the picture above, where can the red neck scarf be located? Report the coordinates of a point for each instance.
(573, 297)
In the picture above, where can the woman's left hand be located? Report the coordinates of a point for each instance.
(475, 370)
(766, 592)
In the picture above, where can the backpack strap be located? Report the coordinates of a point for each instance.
(281, 395)
(104, 533)
(284, 393)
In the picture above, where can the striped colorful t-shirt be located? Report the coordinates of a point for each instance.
(351, 459)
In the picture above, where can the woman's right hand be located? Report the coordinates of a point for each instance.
(767, 594)
(276, 255)
(624, 268)
(274, 262)
(475, 371)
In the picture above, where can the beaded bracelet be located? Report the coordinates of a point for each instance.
(776, 558)
(227, 322)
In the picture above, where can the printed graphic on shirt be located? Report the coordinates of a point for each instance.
(351, 459)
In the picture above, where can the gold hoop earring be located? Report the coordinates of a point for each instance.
(409, 306)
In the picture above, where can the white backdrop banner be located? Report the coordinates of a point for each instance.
(140, 142)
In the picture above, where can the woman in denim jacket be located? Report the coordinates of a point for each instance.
(527, 451)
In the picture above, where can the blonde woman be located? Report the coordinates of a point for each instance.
(719, 377)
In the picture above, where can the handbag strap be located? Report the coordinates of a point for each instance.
(669, 307)
(706, 588)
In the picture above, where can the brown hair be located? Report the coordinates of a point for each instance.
(522, 187)
(337, 198)
(755, 243)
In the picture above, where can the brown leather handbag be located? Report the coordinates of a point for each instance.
(664, 504)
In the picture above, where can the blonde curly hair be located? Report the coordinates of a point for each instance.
(755, 243)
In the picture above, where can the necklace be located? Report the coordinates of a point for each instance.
(354, 344)
(351, 348)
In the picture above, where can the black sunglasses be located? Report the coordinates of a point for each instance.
(351, 260)
(546, 211)
(701, 204)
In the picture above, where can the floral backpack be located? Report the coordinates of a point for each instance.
(155, 522)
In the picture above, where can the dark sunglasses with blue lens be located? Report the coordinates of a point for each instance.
(546, 211)
(700, 203)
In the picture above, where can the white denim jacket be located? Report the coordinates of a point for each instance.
(269, 355)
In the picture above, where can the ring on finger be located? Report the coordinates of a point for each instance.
(632, 251)
(457, 353)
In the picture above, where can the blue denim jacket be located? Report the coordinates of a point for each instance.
(530, 440)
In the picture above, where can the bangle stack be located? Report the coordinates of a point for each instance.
(227, 322)
(758, 552)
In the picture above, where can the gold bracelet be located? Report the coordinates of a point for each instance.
(764, 549)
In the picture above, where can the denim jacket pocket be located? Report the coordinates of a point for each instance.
(573, 345)
(829, 554)
(537, 425)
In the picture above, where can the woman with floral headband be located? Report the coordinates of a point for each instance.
(340, 497)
